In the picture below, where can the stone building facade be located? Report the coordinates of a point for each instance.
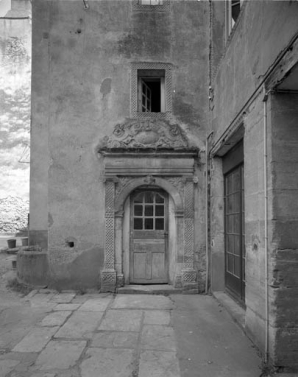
(119, 116)
(158, 125)
(253, 160)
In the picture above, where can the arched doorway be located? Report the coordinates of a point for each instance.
(149, 236)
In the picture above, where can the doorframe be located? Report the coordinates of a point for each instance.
(117, 190)
(165, 194)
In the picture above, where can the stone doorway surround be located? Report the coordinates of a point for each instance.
(148, 153)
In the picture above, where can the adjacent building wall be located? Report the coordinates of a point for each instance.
(283, 236)
(15, 91)
(263, 32)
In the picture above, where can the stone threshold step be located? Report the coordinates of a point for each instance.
(157, 289)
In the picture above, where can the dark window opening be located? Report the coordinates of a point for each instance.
(235, 9)
(151, 96)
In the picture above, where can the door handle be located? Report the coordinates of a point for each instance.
(166, 234)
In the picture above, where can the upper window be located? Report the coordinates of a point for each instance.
(150, 5)
(151, 90)
(150, 2)
(232, 13)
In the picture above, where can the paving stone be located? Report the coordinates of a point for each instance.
(108, 363)
(55, 319)
(7, 366)
(20, 356)
(142, 302)
(62, 373)
(31, 294)
(66, 307)
(47, 290)
(158, 364)
(42, 301)
(42, 297)
(96, 305)
(63, 298)
(122, 339)
(122, 320)
(60, 354)
(80, 299)
(80, 325)
(36, 339)
(156, 337)
(24, 366)
(157, 317)
(16, 322)
(42, 304)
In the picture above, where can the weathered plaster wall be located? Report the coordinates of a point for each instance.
(283, 236)
(15, 91)
(217, 9)
(81, 90)
(263, 31)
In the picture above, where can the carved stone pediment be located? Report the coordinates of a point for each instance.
(146, 134)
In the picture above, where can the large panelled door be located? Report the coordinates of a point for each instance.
(149, 222)
(235, 233)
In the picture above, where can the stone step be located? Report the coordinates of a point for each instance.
(158, 289)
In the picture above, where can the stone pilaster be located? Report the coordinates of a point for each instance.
(108, 275)
(179, 214)
(189, 275)
(118, 248)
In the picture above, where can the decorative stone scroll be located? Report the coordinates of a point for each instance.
(154, 134)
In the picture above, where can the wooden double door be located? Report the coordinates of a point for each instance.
(149, 237)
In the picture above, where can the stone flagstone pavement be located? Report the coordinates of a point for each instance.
(47, 334)
(96, 335)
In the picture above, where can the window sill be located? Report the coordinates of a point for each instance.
(140, 115)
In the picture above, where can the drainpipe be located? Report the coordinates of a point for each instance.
(207, 214)
(266, 353)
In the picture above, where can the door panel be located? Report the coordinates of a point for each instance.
(139, 265)
(148, 242)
